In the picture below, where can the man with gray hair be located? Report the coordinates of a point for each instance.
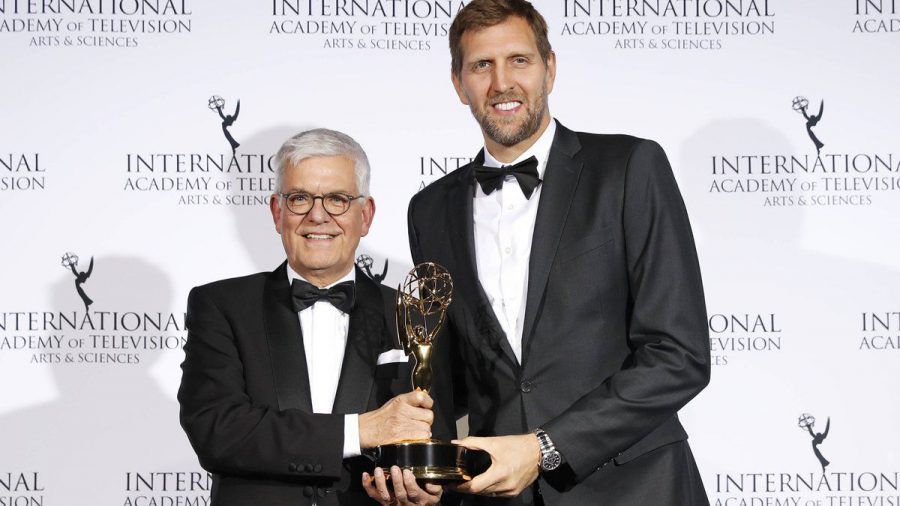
(289, 375)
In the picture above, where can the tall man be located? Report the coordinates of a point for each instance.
(579, 324)
(278, 366)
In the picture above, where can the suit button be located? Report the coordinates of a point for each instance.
(323, 492)
(317, 468)
(526, 386)
(308, 491)
(307, 468)
(292, 467)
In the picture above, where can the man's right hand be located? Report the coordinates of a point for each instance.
(407, 416)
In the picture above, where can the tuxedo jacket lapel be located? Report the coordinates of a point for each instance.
(367, 326)
(285, 343)
(285, 339)
(557, 191)
(465, 278)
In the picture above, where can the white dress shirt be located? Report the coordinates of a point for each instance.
(325, 330)
(504, 225)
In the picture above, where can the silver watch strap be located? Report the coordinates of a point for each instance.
(544, 440)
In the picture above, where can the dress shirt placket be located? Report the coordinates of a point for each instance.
(512, 203)
(325, 355)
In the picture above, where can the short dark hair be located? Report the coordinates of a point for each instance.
(480, 14)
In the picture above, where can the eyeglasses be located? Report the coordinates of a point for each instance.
(334, 204)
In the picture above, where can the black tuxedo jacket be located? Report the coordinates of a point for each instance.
(615, 336)
(245, 398)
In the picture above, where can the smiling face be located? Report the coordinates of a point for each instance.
(321, 247)
(505, 83)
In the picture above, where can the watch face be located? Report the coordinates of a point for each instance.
(551, 461)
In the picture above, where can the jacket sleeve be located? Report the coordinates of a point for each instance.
(232, 434)
(666, 322)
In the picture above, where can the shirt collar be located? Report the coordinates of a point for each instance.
(540, 150)
(292, 275)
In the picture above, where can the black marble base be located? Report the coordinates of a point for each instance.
(433, 461)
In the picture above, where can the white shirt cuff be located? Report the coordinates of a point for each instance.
(351, 436)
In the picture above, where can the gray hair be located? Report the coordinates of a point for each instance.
(323, 142)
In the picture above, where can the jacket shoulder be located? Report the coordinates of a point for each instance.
(617, 145)
(433, 196)
(444, 183)
(620, 155)
(387, 292)
(232, 288)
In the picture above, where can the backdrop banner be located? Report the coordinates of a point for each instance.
(136, 160)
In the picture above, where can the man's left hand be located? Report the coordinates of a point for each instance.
(404, 492)
(514, 465)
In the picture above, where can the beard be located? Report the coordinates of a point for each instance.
(499, 130)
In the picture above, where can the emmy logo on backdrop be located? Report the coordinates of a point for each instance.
(800, 104)
(807, 421)
(217, 103)
(422, 303)
(70, 261)
(365, 263)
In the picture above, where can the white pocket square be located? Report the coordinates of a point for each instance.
(392, 356)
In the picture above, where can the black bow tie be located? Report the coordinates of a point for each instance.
(525, 172)
(304, 294)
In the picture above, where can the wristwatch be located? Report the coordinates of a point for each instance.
(550, 458)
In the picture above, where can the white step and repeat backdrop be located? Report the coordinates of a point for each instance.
(135, 145)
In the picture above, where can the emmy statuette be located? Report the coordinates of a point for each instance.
(422, 302)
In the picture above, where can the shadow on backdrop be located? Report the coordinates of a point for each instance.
(108, 418)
